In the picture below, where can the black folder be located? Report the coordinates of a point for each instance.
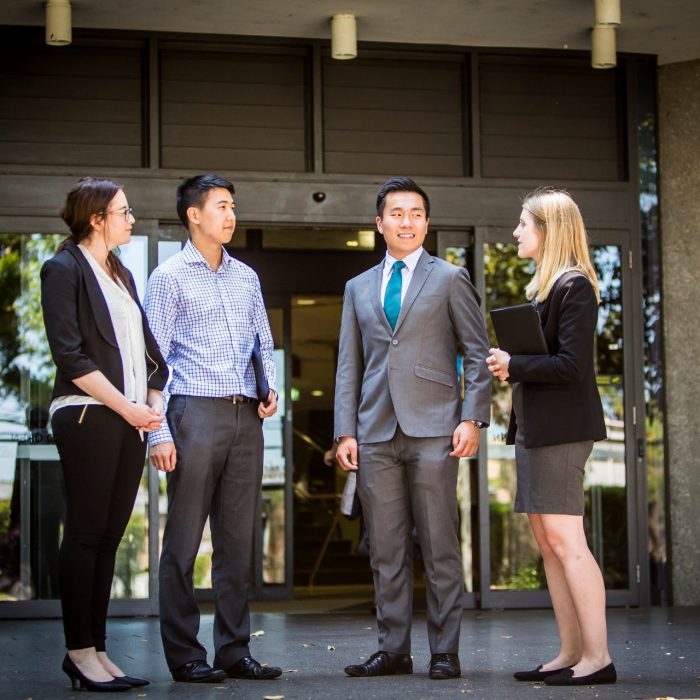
(262, 387)
(519, 330)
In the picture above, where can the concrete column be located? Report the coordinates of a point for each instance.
(679, 167)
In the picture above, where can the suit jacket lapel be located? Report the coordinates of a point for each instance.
(375, 294)
(420, 275)
(100, 310)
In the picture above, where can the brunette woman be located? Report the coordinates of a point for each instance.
(108, 392)
(556, 417)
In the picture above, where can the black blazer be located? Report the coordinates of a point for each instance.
(560, 396)
(79, 328)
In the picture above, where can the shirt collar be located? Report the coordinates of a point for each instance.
(192, 256)
(411, 260)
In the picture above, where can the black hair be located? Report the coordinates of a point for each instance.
(193, 191)
(400, 184)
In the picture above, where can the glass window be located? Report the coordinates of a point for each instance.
(515, 560)
(32, 504)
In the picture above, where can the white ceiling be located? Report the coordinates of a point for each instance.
(667, 28)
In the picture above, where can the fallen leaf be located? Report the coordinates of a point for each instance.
(259, 633)
(273, 697)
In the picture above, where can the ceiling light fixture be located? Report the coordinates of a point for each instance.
(343, 37)
(607, 12)
(58, 23)
(603, 53)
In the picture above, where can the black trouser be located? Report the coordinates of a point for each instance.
(103, 459)
(218, 474)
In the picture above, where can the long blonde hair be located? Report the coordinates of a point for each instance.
(563, 243)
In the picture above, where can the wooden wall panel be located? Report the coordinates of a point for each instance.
(73, 105)
(394, 116)
(233, 111)
(548, 119)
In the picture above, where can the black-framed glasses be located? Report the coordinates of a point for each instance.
(126, 212)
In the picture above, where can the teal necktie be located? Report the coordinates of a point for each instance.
(392, 296)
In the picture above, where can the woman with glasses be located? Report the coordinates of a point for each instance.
(107, 393)
(556, 417)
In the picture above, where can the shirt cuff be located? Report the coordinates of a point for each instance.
(155, 437)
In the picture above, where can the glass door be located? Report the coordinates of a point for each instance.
(273, 557)
(511, 572)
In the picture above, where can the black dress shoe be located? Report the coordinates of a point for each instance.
(198, 672)
(537, 674)
(382, 663)
(444, 666)
(133, 682)
(249, 668)
(607, 674)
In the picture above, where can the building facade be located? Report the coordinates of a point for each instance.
(306, 141)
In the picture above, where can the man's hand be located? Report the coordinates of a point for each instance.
(347, 453)
(265, 410)
(465, 440)
(163, 456)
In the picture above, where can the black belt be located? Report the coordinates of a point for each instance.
(238, 398)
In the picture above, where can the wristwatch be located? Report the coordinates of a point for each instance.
(478, 424)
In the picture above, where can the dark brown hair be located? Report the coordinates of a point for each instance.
(91, 196)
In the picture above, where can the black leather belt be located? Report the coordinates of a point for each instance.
(238, 398)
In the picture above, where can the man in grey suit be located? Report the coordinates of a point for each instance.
(401, 422)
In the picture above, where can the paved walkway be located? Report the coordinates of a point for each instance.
(657, 653)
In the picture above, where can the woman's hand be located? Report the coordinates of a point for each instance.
(143, 417)
(498, 362)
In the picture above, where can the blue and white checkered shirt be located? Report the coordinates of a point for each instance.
(204, 321)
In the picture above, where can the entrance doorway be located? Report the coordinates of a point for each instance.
(303, 286)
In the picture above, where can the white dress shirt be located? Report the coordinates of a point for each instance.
(411, 261)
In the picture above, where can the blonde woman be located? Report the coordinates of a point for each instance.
(556, 417)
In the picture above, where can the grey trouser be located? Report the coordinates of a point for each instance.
(218, 474)
(405, 482)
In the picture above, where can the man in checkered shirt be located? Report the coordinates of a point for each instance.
(204, 308)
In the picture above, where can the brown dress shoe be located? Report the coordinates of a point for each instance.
(383, 663)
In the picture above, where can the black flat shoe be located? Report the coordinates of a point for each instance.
(607, 674)
(536, 674)
(133, 682)
(382, 663)
(250, 669)
(198, 672)
(80, 681)
(444, 666)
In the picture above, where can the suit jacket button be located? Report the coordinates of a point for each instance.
(394, 342)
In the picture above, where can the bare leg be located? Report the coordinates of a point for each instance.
(564, 611)
(109, 665)
(89, 665)
(566, 538)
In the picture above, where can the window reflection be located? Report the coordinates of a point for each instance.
(32, 500)
(515, 561)
(32, 503)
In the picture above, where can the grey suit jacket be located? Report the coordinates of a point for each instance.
(409, 376)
